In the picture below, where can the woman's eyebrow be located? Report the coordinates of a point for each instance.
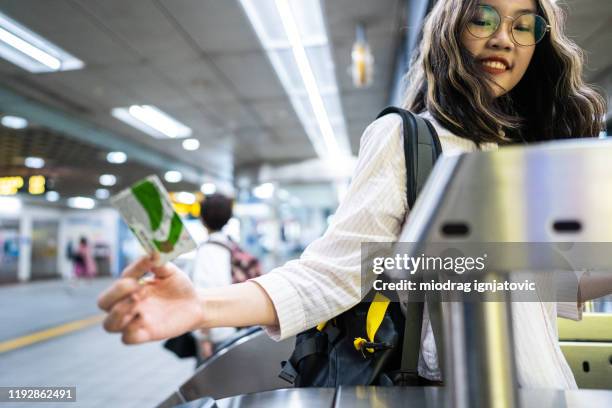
(522, 11)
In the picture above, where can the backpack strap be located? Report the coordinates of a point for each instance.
(421, 150)
(221, 244)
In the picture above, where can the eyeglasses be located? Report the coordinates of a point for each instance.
(527, 29)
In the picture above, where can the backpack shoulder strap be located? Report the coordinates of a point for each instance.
(221, 244)
(421, 150)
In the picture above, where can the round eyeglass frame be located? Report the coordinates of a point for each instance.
(514, 19)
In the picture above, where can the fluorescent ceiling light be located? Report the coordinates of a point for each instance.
(264, 191)
(184, 197)
(102, 194)
(152, 121)
(208, 188)
(14, 122)
(34, 162)
(116, 157)
(82, 203)
(173, 176)
(52, 196)
(108, 180)
(191, 144)
(295, 39)
(30, 51)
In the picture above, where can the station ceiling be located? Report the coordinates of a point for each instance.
(200, 61)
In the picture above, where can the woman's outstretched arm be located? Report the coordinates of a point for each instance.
(167, 304)
(323, 283)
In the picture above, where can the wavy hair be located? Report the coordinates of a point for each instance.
(550, 102)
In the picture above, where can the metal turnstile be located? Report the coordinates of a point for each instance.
(250, 363)
(546, 193)
(390, 397)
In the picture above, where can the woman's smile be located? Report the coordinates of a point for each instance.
(495, 65)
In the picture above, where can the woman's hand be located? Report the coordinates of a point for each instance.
(167, 305)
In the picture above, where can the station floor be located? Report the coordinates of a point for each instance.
(51, 335)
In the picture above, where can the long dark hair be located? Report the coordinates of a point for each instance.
(550, 102)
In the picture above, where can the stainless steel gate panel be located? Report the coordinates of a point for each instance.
(404, 397)
(285, 398)
(545, 193)
(249, 365)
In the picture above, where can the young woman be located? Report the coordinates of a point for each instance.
(488, 73)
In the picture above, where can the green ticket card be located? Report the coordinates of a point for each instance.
(148, 212)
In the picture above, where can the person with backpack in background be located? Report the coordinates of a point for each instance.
(219, 262)
(488, 73)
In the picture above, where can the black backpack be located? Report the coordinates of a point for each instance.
(340, 351)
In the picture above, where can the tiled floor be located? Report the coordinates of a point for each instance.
(26, 308)
(106, 373)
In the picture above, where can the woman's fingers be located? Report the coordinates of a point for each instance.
(165, 270)
(120, 315)
(116, 292)
(149, 263)
(135, 332)
(138, 268)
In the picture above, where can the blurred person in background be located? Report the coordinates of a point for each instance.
(212, 264)
(83, 261)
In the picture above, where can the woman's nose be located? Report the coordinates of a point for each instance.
(502, 39)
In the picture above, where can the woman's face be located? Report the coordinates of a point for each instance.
(498, 55)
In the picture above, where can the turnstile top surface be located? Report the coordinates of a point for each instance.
(288, 397)
(387, 397)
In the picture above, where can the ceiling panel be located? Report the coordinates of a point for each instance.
(217, 27)
(141, 26)
(276, 112)
(251, 73)
(196, 77)
(379, 17)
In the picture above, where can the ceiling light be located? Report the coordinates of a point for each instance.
(264, 191)
(34, 162)
(10, 205)
(302, 58)
(30, 51)
(52, 196)
(208, 188)
(152, 121)
(191, 144)
(82, 203)
(102, 194)
(116, 157)
(108, 180)
(362, 67)
(14, 122)
(173, 176)
(185, 198)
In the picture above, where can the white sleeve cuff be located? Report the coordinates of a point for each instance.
(286, 301)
